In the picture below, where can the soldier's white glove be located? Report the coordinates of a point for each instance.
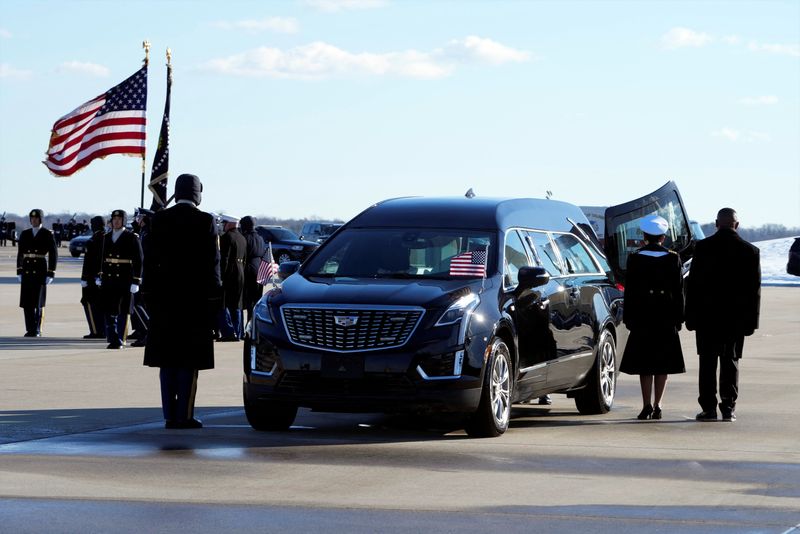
(98, 282)
(19, 278)
(48, 280)
(84, 283)
(134, 289)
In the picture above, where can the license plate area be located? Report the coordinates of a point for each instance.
(342, 366)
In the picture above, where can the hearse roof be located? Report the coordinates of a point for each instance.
(476, 213)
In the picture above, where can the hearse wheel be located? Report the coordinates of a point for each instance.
(598, 395)
(494, 411)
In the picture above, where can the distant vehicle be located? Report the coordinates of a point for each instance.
(77, 245)
(456, 305)
(286, 245)
(793, 267)
(318, 231)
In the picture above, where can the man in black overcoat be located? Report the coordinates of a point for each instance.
(233, 250)
(37, 257)
(255, 250)
(120, 277)
(182, 291)
(723, 298)
(90, 292)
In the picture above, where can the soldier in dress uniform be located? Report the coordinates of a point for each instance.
(36, 267)
(3, 230)
(182, 288)
(233, 250)
(653, 312)
(140, 319)
(120, 277)
(255, 250)
(57, 229)
(90, 292)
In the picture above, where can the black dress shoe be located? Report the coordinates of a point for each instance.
(646, 412)
(114, 346)
(141, 342)
(706, 416)
(656, 413)
(545, 400)
(729, 417)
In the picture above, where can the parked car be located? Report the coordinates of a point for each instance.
(77, 245)
(793, 266)
(286, 245)
(455, 305)
(318, 231)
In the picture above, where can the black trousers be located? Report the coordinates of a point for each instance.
(728, 352)
(117, 308)
(95, 318)
(178, 391)
(33, 320)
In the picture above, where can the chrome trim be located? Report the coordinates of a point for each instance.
(575, 356)
(532, 367)
(264, 373)
(457, 365)
(352, 307)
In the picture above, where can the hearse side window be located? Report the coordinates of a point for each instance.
(515, 258)
(546, 256)
(577, 259)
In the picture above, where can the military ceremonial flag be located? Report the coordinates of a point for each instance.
(267, 269)
(160, 171)
(112, 123)
(471, 263)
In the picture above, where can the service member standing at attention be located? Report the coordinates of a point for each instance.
(233, 250)
(37, 256)
(90, 292)
(120, 277)
(182, 291)
(255, 250)
(723, 300)
(653, 312)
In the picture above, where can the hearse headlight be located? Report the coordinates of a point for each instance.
(297, 247)
(460, 309)
(262, 310)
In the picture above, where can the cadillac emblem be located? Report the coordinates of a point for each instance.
(345, 320)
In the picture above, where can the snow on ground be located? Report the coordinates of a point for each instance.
(774, 257)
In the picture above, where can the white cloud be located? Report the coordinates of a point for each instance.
(684, 37)
(485, 50)
(5, 34)
(731, 39)
(332, 6)
(766, 100)
(782, 49)
(80, 67)
(275, 24)
(11, 73)
(319, 60)
(736, 136)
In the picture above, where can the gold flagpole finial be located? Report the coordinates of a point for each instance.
(146, 46)
(169, 56)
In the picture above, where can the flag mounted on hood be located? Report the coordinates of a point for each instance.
(160, 171)
(112, 123)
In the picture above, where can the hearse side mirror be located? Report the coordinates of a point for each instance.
(287, 268)
(530, 277)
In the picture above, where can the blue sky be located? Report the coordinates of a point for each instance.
(319, 108)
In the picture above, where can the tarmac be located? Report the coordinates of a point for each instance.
(83, 448)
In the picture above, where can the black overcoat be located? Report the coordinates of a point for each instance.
(37, 257)
(255, 250)
(233, 251)
(723, 290)
(182, 288)
(653, 312)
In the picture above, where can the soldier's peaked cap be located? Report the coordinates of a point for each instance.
(654, 225)
(36, 213)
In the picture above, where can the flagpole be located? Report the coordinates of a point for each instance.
(146, 46)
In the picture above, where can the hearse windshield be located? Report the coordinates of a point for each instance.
(404, 253)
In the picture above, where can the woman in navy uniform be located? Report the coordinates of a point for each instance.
(90, 292)
(233, 250)
(653, 312)
(182, 292)
(120, 277)
(255, 250)
(36, 267)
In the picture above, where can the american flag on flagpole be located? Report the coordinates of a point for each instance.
(267, 269)
(112, 123)
(471, 263)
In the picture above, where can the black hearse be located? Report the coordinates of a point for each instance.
(457, 305)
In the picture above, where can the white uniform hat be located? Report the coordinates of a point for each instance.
(228, 219)
(654, 225)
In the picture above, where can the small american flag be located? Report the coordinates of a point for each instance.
(469, 264)
(112, 123)
(267, 269)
